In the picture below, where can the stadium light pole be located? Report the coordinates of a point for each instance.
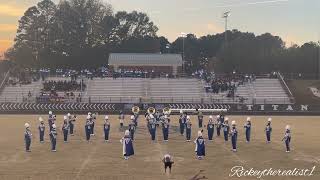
(225, 16)
(183, 35)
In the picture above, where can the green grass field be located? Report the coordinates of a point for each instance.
(99, 160)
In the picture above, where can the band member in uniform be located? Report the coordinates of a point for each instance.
(27, 137)
(51, 120)
(182, 121)
(188, 129)
(65, 129)
(53, 138)
(87, 128)
(287, 138)
(247, 126)
(200, 119)
(200, 146)
(153, 127)
(226, 129)
(210, 128)
(167, 161)
(71, 121)
(121, 119)
(93, 120)
(106, 128)
(165, 128)
(234, 136)
(136, 117)
(218, 125)
(127, 145)
(132, 129)
(41, 128)
(222, 117)
(268, 130)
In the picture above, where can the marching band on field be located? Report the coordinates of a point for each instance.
(154, 120)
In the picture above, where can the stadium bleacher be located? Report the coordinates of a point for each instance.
(160, 90)
(19, 93)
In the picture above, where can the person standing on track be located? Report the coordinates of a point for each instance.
(41, 128)
(268, 130)
(218, 125)
(234, 136)
(287, 138)
(188, 129)
(27, 137)
(210, 128)
(87, 128)
(247, 127)
(200, 146)
(53, 138)
(65, 129)
(127, 145)
(167, 161)
(226, 129)
(106, 128)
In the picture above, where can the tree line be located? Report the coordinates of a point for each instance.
(82, 33)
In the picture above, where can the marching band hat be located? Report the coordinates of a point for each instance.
(269, 119)
(233, 123)
(210, 117)
(248, 118)
(181, 112)
(88, 117)
(188, 117)
(287, 127)
(226, 119)
(65, 117)
(50, 112)
(54, 126)
(26, 125)
(40, 119)
(199, 133)
(106, 117)
(218, 116)
(127, 133)
(68, 114)
(132, 117)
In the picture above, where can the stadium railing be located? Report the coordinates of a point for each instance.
(286, 88)
(4, 80)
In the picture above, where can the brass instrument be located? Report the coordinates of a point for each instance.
(166, 111)
(151, 110)
(135, 109)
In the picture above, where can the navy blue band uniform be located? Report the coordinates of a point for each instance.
(247, 128)
(226, 129)
(53, 138)
(41, 129)
(234, 136)
(188, 128)
(106, 128)
(210, 128)
(27, 137)
(200, 148)
(268, 130)
(65, 129)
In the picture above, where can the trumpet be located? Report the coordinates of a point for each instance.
(166, 111)
(151, 110)
(135, 109)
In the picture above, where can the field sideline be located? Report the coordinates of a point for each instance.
(99, 160)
